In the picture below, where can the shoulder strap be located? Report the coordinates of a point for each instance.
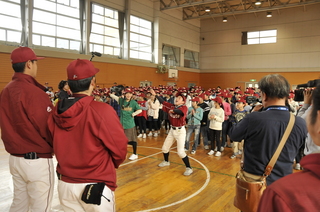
(285, 136)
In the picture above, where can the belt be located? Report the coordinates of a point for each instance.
(176, 128)
(34, 155)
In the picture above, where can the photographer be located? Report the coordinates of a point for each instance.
(262, 131)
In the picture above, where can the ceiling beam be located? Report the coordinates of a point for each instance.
(252, 10)
(189, 4)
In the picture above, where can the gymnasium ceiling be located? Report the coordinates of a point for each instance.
(195, 9)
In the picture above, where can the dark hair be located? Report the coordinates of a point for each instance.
(19, 67)
(274, 86)
(61, 84)
(315, 105)
(79, 85)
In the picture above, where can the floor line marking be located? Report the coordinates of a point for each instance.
(151, 156)
(189, 197)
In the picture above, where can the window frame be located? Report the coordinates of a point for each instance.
(194, 61)
(177, 58)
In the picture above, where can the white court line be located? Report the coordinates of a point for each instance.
(185, 199)
(134, 161)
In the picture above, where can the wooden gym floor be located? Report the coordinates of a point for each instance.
(143, 186)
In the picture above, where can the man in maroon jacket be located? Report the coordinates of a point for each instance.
(88, 141)
(24, 110)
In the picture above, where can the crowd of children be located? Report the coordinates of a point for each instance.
(210, 114)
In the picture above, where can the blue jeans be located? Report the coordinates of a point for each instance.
(196, 129)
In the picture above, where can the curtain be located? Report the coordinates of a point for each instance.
(244, 38)
(82, 19)
(121, 17)
(24, 21)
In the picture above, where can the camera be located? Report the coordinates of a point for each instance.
(298, 93)
(252, 100)
(117, 90)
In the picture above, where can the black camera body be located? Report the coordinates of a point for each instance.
(117, 90)
(298, 93)
(252, 100)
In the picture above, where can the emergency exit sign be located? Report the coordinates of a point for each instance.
(252, 80)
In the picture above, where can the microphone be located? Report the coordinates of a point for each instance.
(96, 54)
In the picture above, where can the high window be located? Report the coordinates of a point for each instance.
(259, 37)
(170, 55)
(140, 38)
(56, 24)
(191, 59)
(104, 37)
(10, 21)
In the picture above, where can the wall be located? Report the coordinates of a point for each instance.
(296, 54)
(52, 70)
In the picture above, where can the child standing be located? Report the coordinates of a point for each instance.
(142, 117)
(194, 117)
(153, 115)
(237, 116)
(129, 108)
(216, 117)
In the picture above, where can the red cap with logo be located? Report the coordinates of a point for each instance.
(23, 54)
(81, 69)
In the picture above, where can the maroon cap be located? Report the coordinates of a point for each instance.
(217, 100)
(81, 69)
(23, 54)
(195, 99)
(128, 90)
(180, 94)
(242, 100)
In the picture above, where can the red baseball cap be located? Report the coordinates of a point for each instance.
(180, 94)
(128, 90)
(217, 100)
(242, 100)
(23, 54)
(195, 99)
(81, 69)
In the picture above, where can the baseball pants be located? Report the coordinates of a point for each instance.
(180, 136)
(70, 198)
(33, 184)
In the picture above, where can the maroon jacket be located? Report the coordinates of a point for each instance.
(88, 140)
(295, 192)
(24, 110)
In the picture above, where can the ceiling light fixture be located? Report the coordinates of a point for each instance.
(224, 19)
(257, 2)
(269, 14)
(207, 9)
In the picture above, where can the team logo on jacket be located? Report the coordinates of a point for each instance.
(175, 116)
(49, 109)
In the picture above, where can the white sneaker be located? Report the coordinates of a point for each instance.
(206, 147)
(140, 135)
(155, 135)
(144, 135)
(216, 149)
(188, 171)
(133, 157)
(240, 152)
(222, 148)
(193, 152)
(150, 134)
(218, 154)
(211, 152)
(164, 163)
